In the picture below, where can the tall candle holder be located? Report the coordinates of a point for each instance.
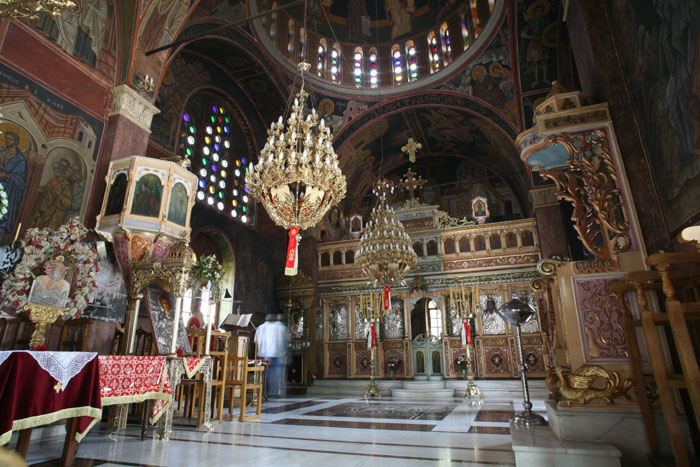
(517, 313)
(373, 315)
(473, 394)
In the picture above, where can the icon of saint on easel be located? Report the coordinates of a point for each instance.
(51, 289)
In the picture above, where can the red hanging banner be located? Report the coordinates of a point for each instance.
(467, 332)
(387, 298)
(373, 333)
(290, 267)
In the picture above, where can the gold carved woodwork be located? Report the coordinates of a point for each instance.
(42, 316)
(300, 288)
(176, 272)
(590, 183)
(585, 384)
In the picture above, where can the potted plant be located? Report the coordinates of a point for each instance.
(393, 364)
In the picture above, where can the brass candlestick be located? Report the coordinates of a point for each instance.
(473, 394)
(373, 315)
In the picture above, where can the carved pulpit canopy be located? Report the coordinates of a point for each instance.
(175, 272)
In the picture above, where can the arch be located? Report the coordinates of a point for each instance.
(337, 258)
(527, 238)
(418, 248)
(411, 60)
(325, 259)
(373, 62)
(336, 70)
(446, 44)
(511, 240)
(479, 243)
(449, 246)
(495, 242)
(291, 39)
(434, 61)
(212, 240)
(357, 69)
(397, 67)
(349, 257)
(432, 248)
(321, 58)
(464, 245)
(302, 44)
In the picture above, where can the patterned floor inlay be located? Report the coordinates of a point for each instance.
(290, 407)
(81, 462)
(349, 424)
(491, 430)
(383, 410)
(494, 415)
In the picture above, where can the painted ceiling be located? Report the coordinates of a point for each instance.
(471, 116)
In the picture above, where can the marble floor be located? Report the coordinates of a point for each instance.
(302, 431)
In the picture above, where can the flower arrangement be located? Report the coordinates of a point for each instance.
(311, 377)
(393, 363)
(462, 362)
(39, 245)
(4, 203)
(210, 269)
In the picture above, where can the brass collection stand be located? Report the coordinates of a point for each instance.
(473, 395)
(371, 310)
(372, 388)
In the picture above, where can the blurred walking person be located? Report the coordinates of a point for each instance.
(273, 339)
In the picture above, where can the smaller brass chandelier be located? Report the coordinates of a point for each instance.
(297, 177)
(385, 253)
(31, 9)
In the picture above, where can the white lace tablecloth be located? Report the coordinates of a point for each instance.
(62, 366)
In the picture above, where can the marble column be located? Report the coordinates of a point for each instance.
(126, 134)
(550, 224)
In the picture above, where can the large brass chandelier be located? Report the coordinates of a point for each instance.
(385, 253)
(297, 177)
(31, 9)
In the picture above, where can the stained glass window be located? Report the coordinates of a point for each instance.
(335, 63)
(373, 70)
(321, 58)
(446, 45)
(219, 168)
(397, 64)
(433, 52)
(357, 67)
(188, 136)
(412, 60)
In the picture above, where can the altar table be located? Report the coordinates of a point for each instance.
(39, 388)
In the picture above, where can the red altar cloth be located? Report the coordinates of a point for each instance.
(31, 397)
(126, 379)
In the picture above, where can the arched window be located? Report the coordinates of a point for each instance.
(475, 18)
(412, 60)
(465, 31)
(432, 248)
(463, 245)
(397, 64)
(337, 258)
(273, 21)
(349, 257)
(492, 5)
(446, 45)
(495, 242)
(433, 52)
(188, 137)
(511, 240)
(302, 44)
(325, 259)
(335, 63)
(291, 39)
(434, 319)
(479, 243)
(221, 172)
(418, 248)
(528, 239)
(449, 246)
(321, 58)
(357, 67)
(373, 67)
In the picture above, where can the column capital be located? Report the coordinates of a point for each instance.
(133, 106)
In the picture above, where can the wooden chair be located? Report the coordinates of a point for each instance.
(15, 333)
(682, 318)
(245, 375)
(74, 333)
